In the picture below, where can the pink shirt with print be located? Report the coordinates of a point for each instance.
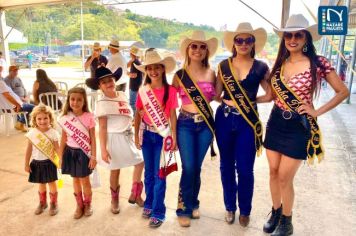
(88, 121)
(172, 102)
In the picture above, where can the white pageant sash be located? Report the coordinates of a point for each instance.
(77, 131)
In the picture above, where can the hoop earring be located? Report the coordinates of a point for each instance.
(305, 48)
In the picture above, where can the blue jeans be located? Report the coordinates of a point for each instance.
(236, 142)
(155, 187)
(133, 98)
(193, 143)
(27, 108)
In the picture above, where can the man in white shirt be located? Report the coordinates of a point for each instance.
(116, 60)
(10, 101)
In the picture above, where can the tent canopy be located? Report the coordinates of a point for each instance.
(6, 4)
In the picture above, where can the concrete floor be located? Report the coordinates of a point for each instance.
(325, 202)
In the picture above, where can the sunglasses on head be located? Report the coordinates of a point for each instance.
(194, 46)
(248, 41)
(298, 35)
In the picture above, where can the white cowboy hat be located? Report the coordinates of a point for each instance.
(135, 51)
(296, 23)
(260, 35)
(114, 44)
(153, 57)
(199, 36)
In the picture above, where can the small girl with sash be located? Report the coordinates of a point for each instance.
(195, 126)
(43, 147)
(292, 133)
(238, 127)
(78, 148)
(116, 136)
(156, 104)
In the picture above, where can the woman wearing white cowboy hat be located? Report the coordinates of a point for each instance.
(155, 68)
(194, 135)
(238, 129)
(292, 132)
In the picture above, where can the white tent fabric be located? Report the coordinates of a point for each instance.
(6, 4)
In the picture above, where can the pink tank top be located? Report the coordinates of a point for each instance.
(207, 89)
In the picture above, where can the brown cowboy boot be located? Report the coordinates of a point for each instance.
(53, 206)
(88, 211)
(80, 206)
(43, 203)
(115, 200)
(135, 196)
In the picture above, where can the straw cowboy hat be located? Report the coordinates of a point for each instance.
(96, 46)
(260, 35)
(135, 51)
(101, 73)
(296, 23)
(114, 44)
(153, 57)
(199, 36)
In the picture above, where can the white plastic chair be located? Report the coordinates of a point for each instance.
(62, 87)
(53, 99)
(8, 114)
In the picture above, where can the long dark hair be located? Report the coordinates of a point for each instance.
(41, 76)
(148, 80)
(283, 54)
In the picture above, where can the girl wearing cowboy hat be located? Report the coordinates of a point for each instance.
(115, 134)
(164, 98)
(292, 132)
(238, 128)
(194, 132)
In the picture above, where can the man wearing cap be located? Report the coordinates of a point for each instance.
(15, 83)
(135, 76)
(95, 60)
(116, 60)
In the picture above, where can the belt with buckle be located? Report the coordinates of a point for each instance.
(286, 114)
(229, 109)
(150, 128)
(195, 116)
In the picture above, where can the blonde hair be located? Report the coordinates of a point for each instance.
(41, 108)
(67, 107)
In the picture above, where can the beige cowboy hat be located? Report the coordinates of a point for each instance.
(135, 51)
(153, 57)
(199, 36)
(114, 44)
(299, 22)
(260, 35)
(96, 46)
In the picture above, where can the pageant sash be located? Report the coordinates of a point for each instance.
(241, 101)
(159, 120)
(77, 131)
(117, 106)
(292, 102)
(197, 98)
(44, 145)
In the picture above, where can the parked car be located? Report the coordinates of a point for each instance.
(52, 59)
(22, 61)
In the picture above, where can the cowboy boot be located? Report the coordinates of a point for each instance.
(285, 227)
(273, 221)
(136, 192)
(88, 211)
(53, 206)
(43, 203)
(80, 205)
(115, 200)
